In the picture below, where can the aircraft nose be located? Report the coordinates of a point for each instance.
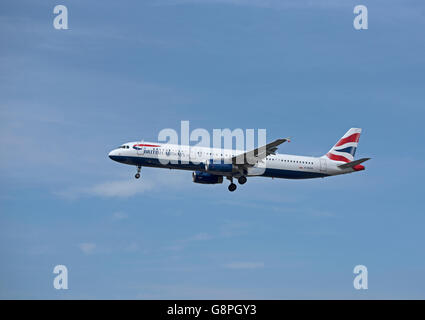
(112, 155)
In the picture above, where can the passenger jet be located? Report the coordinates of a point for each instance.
(210, 165)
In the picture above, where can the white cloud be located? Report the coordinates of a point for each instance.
(234, 228)
(244, 265)
(118, 188)
(200, 237)
(181, 244)
(120, 215)
(87, 247)
(122, 188)
(128, 187)
(132, 247)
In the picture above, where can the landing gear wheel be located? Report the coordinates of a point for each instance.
(232, 187)
(242, 180)
(137, 176)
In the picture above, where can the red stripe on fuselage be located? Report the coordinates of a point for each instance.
(353, 138)
(146, 145)
(336, 157)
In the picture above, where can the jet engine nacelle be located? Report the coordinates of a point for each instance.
(206, 178)
(218, 167)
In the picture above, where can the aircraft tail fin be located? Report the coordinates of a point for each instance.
(345, 149)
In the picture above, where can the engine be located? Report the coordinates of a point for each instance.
(206, 178)
(218, 167)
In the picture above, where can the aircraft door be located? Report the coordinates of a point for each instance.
(322, 165)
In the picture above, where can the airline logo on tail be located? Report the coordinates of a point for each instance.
(345, 149)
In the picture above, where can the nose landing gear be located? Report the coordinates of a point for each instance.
(137, 176)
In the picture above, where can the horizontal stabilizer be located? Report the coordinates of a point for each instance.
(352, 163)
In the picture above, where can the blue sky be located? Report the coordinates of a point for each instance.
(125, 70)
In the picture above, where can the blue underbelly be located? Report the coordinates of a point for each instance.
(292, 174)
(269, 172)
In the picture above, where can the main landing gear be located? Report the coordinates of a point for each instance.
(232, 187)
(137, 176)
(242, 180)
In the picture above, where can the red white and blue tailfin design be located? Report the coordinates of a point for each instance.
(345, 149)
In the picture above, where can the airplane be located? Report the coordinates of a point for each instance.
(210, 165)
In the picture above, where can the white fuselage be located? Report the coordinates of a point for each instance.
(194, 159)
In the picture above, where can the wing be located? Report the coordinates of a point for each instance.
(250, 158)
